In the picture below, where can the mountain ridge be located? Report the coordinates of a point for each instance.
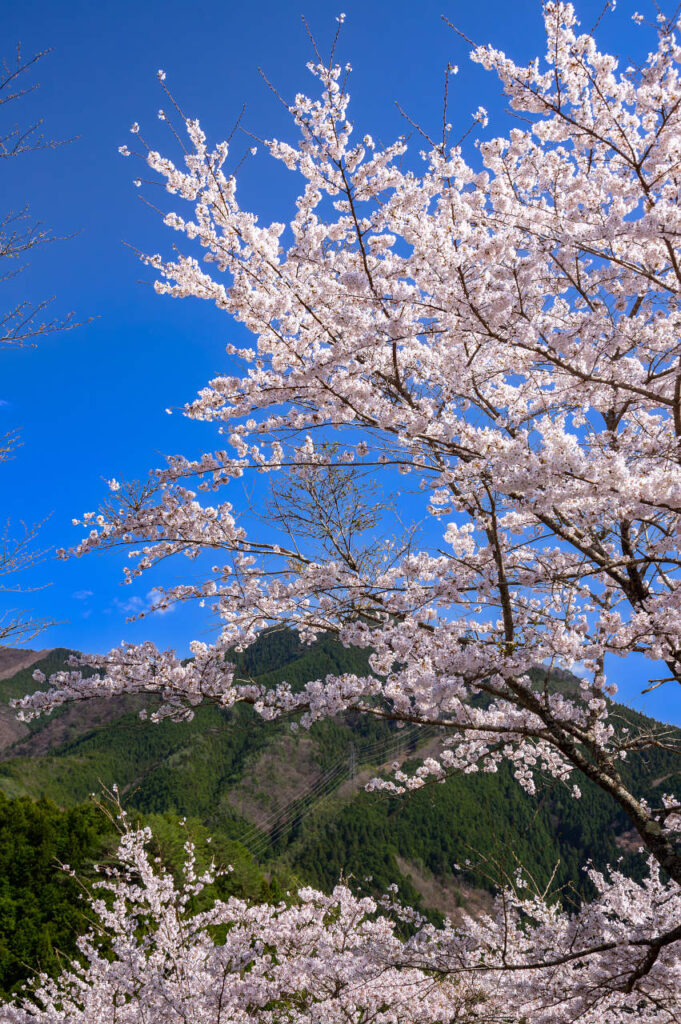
(284, 794)
(292, 805)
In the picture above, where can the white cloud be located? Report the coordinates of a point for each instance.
(153, 596)
(82, 595)
(135, 606)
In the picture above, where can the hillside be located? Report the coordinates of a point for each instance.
(295, 801)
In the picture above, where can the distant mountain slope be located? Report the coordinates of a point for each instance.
(13, 659)
(14, 662)
(297, 799)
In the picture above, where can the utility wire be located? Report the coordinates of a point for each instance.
(300, 807)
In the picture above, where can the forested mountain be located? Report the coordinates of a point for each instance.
(282, 807)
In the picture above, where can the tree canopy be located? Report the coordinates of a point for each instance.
(502, 333)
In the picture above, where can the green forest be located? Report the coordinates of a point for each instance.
(283, 808)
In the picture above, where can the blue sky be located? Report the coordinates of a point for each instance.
(91, 403)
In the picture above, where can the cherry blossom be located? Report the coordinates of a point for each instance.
(312, 960)
(338, 957)
(503, 332)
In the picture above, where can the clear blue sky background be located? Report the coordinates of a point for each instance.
(90, 403)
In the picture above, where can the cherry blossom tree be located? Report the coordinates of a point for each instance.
(309, 961)
(338, 958)
(501, 333)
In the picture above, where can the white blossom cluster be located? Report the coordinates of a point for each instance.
(325, 959)
(339, 959)
(502, 333)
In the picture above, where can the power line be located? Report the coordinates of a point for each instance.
(300, 807)
(302, 812)
(371, 750)
(258, 827)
